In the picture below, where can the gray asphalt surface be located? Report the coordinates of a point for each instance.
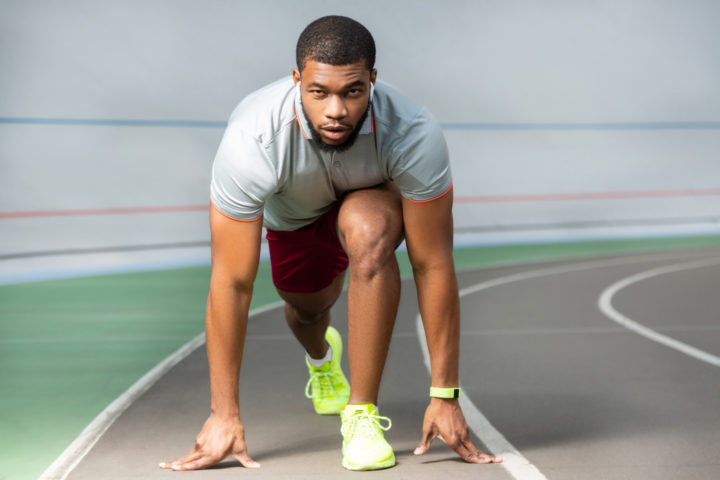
(580, 396)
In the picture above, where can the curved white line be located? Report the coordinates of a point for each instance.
(605, 305)
(573, 267)
(514, 462)
(81, 446)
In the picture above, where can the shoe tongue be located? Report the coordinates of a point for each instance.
(362, 408)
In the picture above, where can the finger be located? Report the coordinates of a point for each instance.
(475, 455)
(191, 455)
(467, 454)
(487, 458)
(246, 461)
(482, 456)
(189, 458)
(424, 445)
(202, 462)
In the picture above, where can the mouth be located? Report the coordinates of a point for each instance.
(335, 132)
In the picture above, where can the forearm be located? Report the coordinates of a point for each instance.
(429, 238)
(440, 310)
(226, 326)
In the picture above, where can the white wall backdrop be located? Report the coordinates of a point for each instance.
(565, 119)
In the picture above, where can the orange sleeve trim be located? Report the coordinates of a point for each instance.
(432, 199)
(234, 219)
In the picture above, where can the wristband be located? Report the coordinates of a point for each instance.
(440, 392)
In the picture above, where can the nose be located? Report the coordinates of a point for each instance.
(335, 107)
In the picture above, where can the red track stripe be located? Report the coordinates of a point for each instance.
(104, 211)
(710, 192)
(589, 196)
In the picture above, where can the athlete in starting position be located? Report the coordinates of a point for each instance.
(339, 168)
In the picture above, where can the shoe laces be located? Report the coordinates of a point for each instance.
(320, 384)
(365, 425)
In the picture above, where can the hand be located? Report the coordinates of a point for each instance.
(218, 439)
(444, 419)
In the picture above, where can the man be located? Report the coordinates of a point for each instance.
(339, 171)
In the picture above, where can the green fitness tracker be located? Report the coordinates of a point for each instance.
(440, 392)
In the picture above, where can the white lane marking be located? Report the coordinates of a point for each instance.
(81, 446)
(514, 462)
(95, 340)
(500, 332)
(491, 332)
(573, 267)
(605, 305)
(169, 338)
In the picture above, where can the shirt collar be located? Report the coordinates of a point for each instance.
(367, 127)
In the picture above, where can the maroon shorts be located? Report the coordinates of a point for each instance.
(307, 260)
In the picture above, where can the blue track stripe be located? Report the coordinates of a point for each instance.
(109, 122)
(585, 126)
(458, 126)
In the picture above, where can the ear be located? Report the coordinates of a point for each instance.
(373, 75)
(296, 76)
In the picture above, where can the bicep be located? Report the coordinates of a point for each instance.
(235, 249)
(429, 231)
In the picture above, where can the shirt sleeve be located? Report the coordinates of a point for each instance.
(420, 162)
(243, 176)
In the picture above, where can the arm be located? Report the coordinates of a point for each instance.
(429, 238)
(235, 255)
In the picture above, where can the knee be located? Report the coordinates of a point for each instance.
(304, 316)
(371, 240)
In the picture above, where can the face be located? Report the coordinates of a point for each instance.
(335, 100)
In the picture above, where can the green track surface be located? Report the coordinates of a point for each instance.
(70, 347)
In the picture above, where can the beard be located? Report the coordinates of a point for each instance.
(341, 147)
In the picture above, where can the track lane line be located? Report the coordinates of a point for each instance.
(605, 306)
(81, 446)
(514, 462)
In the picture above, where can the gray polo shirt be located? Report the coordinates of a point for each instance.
(268, 165)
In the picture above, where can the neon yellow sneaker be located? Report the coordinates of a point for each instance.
(328, 388)
(364, 445)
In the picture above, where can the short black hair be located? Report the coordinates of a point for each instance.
(335, 40)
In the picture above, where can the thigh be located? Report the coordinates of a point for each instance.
(308, 260)
(315, 303)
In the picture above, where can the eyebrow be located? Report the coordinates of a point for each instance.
(356, 83)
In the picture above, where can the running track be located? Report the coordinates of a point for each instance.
(571, 391)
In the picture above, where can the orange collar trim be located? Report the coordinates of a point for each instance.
(299, 124)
